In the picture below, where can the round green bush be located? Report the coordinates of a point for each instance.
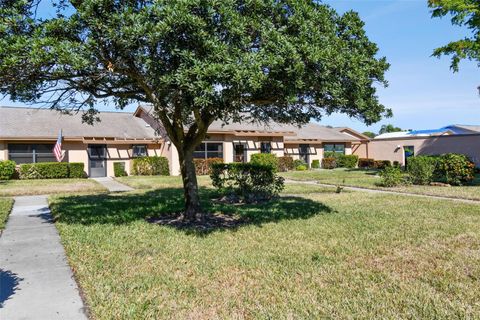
(268, 159)
(316, 164)
(7, 169)
(301, 168)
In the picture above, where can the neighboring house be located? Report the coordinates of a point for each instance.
(237, 142)
(28, 135)
(397, 146)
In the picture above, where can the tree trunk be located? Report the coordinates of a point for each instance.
(193, 210)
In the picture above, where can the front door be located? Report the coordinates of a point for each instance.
(97, 154)
(303, 153)
(239, 153)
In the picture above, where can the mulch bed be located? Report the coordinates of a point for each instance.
(210, 221)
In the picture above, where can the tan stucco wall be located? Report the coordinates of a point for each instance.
(316, 151)
(361, 150)
(3, 151)
(77, 152)
(393, 149)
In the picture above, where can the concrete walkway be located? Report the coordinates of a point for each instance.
(112, 185)
(383, 191)
(35, 279)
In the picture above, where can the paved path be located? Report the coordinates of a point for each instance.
(35, 279)
(383, 191)
(112, 185)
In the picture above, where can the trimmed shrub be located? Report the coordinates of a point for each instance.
(7, 169)
(421, 169)
(268, 159)
(44, 170)
(76, 170)
(391, 177)
(119, 169)
(150, 166)
(382, 164)
(329, 163)
(396, 164)
(347, 161)
(455, 169)
(248, 182)
(330, 154)
(366, 163)
(299, 162)
(285, 164)
(203, 166)
(315, 164)
(302, 168)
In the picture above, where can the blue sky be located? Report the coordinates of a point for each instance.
(423, 92)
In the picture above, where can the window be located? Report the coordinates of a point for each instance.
(334, 147)
(208, 150)
(139, 150)
(265, 147)
(31, 153)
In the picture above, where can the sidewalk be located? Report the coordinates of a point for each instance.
(113, 185)
(364, 189)
(36, 281)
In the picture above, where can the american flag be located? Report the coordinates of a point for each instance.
(57, 149)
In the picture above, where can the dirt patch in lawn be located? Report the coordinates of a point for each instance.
(209, 223)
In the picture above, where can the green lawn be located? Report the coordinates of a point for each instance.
(370, 179)
(48, 186)
(311, 255)
(5, 208)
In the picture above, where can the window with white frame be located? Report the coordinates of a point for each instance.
(208, 150)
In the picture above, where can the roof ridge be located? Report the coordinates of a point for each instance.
(48, 109)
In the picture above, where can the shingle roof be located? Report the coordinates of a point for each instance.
(19, 122)
(473, 128)
(309, 131)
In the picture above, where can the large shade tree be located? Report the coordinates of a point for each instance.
(194, 61)
(463, 13)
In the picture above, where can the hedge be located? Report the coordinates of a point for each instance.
(382, 164)
(119, 169)
(248, 182)
(347, 161)
(44, 170)
(329, 163)
(7, 169)
(285, 164)
(203, 166)
(366, 163)
(150, 166)
(455, 169)
(76, 170)
(315, 164)
(299, 162)
(421, 169)
(268, 159)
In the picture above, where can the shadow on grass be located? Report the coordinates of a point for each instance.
(128, 207)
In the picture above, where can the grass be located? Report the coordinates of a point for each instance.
(316, 254)
(370, 179)
(5, 208)
(48, 186)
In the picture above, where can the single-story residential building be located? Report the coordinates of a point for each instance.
(237, 142)
(27, 135)
(398, 146)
